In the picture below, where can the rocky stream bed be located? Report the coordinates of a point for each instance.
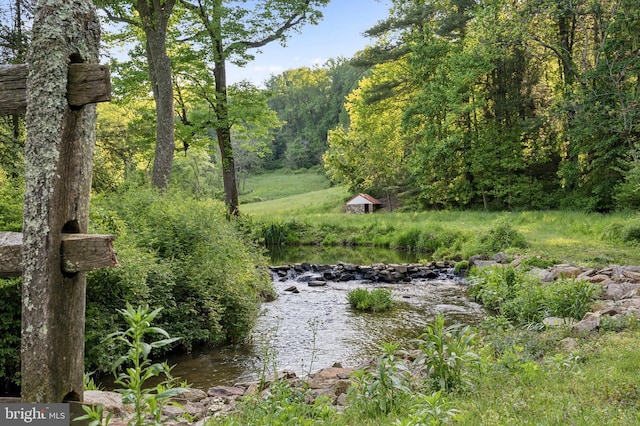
(620, 296)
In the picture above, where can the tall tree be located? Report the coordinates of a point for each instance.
(152, 17)
(229, 31)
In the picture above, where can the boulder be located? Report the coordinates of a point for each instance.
(110, 401)
(565, 271)
(193, 395)
(226, 392)
(590, 322)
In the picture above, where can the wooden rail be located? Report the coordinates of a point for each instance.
(86, 84)
(79, 252)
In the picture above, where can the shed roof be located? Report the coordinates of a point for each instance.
(363, 199)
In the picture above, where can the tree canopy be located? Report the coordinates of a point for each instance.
(486, 104)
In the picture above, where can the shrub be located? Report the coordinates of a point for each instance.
(179, 254)
(382, 388)
(501, 237)
(627, 193)
(377, 300)
(522, 299)
(10, 311)
(446, 352)
(631, 232)
(461, 267)
(11, 203)
(146, 402)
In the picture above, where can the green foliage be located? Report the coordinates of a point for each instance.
(541, 262)
(500, 237)
(310, 102)
(631, 232)
(432, 410)
(180, 254)
(279, 233)
(522, 299)
(145, 401)
(461, 267)
(383, 388)
(620, 322)
(446, 354)
(138, 369)
(10, 317)
(627, 193)
(11, 203)
(376, 300)
(282, 405)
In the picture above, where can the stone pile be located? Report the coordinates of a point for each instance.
(195, 406)
(378, 272)
(620, 295)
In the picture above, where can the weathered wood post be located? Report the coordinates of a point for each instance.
(59, 164)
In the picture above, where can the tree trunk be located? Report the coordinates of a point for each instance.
(223, 131)
(58, 170)
(155, 16)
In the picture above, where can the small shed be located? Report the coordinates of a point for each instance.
(362, 203)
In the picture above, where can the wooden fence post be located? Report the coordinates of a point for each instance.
(59, 164)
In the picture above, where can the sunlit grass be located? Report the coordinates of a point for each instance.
(598, 385)
(281, 184)
(568, 236)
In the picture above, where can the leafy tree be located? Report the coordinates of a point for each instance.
(228, 31)
(148, 21)
(15, 17)
(371, 153)
(125, 138)
(607, 105)
(252, 122)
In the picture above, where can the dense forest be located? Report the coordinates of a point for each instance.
(454, 104)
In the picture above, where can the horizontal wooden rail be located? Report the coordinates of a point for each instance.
(86, 84)
(80, 252)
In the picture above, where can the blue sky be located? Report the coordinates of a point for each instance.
(338, 34)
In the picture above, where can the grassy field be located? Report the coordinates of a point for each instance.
(281, 184)
(566, 236)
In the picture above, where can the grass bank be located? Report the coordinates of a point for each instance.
(310, 212)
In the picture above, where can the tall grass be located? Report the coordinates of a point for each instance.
(566, 236)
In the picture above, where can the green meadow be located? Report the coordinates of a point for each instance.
(305, 204)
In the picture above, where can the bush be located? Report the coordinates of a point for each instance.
(522, 299)
(501, 237)
(377, 300)
(446, 352)
(631, 232)
(181, 255)
(627, 193)
(11, 203)
(10, 311)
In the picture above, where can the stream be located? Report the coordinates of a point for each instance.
(315, 328)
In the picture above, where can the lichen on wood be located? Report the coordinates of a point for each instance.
(58, 169)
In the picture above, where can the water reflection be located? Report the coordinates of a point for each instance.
(332, 255)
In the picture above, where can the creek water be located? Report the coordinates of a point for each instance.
(316, 328)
